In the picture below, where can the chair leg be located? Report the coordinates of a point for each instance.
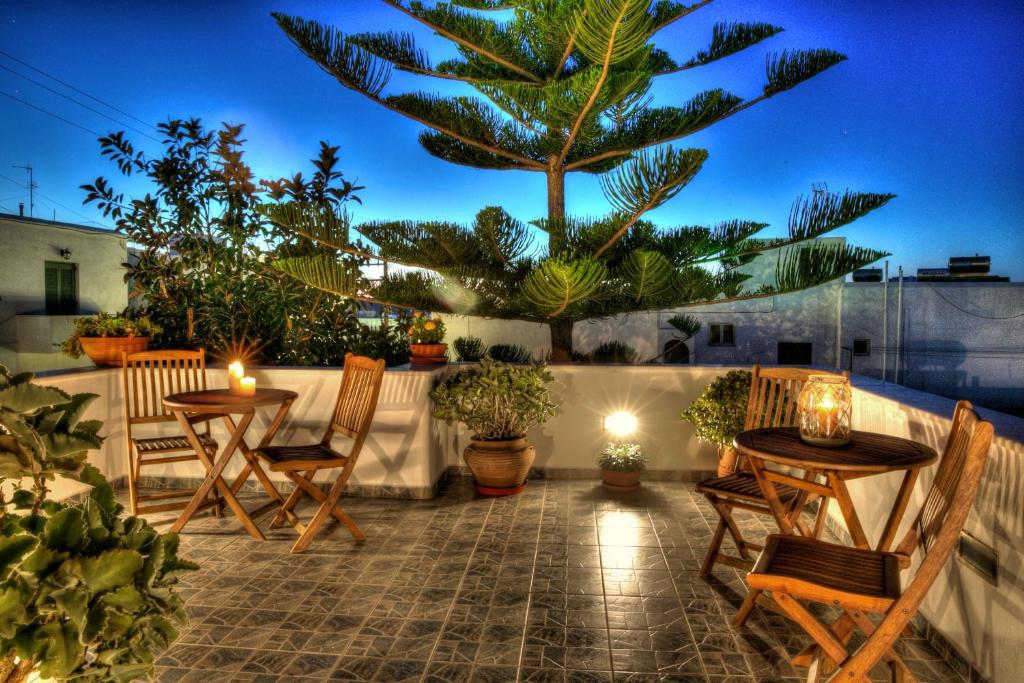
(327, 507)
(716, 543)
(746, 608)
(290, 503)
(316, 494)
(133, 473)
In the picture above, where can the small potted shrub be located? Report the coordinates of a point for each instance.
(86, 594)
(425, 335)
(621, 465)
(719, 414)
(510, 353)
(104, 336)
(498, 403)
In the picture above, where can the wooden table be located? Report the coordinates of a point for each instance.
(220, 402)
(866, 455)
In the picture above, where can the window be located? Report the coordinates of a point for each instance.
(795, 353)
(61, 285)
(862, 347)
(721, 334)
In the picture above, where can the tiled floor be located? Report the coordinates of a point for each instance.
(563, 582)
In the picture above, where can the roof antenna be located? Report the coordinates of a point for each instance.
(31, 190)
(820, 187)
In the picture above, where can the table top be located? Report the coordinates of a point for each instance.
(867, 452)
(223, 401)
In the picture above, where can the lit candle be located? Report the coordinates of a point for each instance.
(247, 386)
(828, 417)
(235, 374)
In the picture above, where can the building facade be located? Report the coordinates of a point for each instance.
(50, 273)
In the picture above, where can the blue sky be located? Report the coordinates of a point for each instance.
(929, 106)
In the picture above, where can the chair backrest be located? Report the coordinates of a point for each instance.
(357, 400)
(150, 375)
(936, 530)
(774, 394)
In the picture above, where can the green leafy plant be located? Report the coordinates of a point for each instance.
(610, 352)
(107, 325)
(495, 400)
(622, 457)
(509, 353)
(469, 349)
(205, 265)
(557, 88)
(424, 330)
(720, 411)
(85, 593)
(387, 341)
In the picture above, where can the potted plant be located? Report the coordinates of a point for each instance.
(85, 594)
(104, 336)
(498, 403)
(621, 465)
(719, 414)
(425, 335)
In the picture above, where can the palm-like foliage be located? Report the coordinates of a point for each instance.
(563, 87)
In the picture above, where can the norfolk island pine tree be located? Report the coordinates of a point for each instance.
(563, 88)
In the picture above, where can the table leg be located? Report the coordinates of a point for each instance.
(853, 524)
(892, 525)
(772, 496)
(213, 476)
(252, 465)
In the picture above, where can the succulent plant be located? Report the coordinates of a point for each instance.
(469, 349)
(85, 594)
(622, 457)
(510, 353)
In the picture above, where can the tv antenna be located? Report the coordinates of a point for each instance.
(820, 187)
(31, 189)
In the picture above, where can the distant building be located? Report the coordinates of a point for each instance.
(50, 273)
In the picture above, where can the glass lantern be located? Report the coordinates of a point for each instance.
(824, 408)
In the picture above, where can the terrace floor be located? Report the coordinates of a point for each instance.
(563, 582)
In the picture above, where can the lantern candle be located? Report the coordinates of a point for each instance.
(247, 386)
(235, 374)
(824, 408)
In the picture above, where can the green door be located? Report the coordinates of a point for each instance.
(61, 297)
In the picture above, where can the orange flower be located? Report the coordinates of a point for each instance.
(412, 330)
(430, 325)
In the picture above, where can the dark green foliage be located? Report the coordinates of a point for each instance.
(563, 87)
(609, 352)
(720, 411)
(86, 594)
(384, 341)
(202, 273)
(509, 353)
(469, 349)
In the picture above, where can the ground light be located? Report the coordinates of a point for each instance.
(620, 423)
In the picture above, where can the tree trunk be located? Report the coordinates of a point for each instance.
(561, 340)
(561, 330)
(14, 672)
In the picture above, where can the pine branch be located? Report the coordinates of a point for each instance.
(648, 276)
(728, 39)
(324, 273)
(823, 212)
(557, 283)
(788, 69)
(667, 12)
(651, 178)
(484, 37)
(400, 50)
(818, 263)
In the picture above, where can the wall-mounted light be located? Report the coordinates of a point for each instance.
(620, 423)
(65, 254)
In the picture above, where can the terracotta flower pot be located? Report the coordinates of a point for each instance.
(106, 351)
(426, 354)
(621, 481)
(500, 468)
(726, 460)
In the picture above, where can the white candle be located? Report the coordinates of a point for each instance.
(235, 374)
(247, 386)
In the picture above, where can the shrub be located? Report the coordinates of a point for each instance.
(424, 330)
(107, 325)
(495, 400)
(85, 594)
(387, 342)
(469, 349)
(613, 352)
(622, 457)
(720, 411)
(510, 353)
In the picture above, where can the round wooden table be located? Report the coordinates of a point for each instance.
(192, 407)
(867, 454)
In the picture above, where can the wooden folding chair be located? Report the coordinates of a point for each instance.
(772, 403)
(353, 413)
(860, 581)
(148, 377)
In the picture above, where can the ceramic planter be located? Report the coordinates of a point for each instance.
(106, 351)
(428, 354)
(500, 467)
(621, 481)
(726, 460)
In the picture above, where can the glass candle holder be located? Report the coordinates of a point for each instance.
(825, 407)
(247, 386)
(235, 374)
